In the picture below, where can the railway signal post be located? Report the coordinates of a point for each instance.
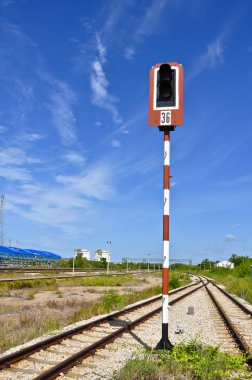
(166, 112)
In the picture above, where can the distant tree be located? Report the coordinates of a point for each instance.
(238, 260)
(103, 262)
(206, 264)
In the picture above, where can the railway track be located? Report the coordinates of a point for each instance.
(36, 269)
(62, 277)
(77, 353)
(47, 359)
(237, 317)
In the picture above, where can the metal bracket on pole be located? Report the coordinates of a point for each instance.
(170, 128)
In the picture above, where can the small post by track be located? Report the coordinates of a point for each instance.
(166, 112)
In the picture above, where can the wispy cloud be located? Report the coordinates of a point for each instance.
(59, 207)
(14, 173)
(69, 198)
(115, 143)
(13, 163)
(213, 55)
(33, 136)
(230, 237)
(242, 180)
(25, 89)
(96, 182)
(3, 129)
(100, 84)
(28, 80)
(13, 156)
(7, 3)
(146, 26)
(74, 157)
(62, 98)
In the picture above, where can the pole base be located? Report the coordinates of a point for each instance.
(164, 343)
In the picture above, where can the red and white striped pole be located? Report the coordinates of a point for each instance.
(164, 342)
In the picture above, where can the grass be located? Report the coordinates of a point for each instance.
(58, 312)
(234, 281)
(112, 301)
(192, 361)
(32, 324)
(53, 284)
(50, 284)
(103, 280)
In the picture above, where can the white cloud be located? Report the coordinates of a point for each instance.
(115, 143)
(69, 199)
(12, 161)
(145, 26)
(210, 59)
(93, 183)
(214, 53)
(62, 99)
(99, 84)
(12, 173)
(59, 207)
(26, 90)
(3, 129)
(7, 3)
(33, 137)
(230, 237)
(74, 157)
(12, 156)
(16, 156)
(129, 52)
(101, 48)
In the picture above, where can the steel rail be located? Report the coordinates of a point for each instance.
(239, 304)
(232, 298)
(236, 335)
(70, 362)
(61, 277)
(32, 269)
(25, 352)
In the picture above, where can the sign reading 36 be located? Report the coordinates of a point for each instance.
(165, 118)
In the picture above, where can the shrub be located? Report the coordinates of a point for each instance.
(112, 301)
(192, 361)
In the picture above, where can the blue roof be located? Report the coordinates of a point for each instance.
(28, 253)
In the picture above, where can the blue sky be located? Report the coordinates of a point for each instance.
(79, 164)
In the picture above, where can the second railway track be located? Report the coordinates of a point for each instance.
(48, 358)
(76, 354)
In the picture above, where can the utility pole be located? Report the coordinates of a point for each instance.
(149, 262)
(108, 260)
(166, 112)
(73, 261)
(2, 219)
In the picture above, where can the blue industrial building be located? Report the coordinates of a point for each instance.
(16, 256)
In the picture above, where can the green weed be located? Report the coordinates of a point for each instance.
(193, 361)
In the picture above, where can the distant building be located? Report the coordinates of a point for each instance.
(101, 254)
(225, 264)
(84, 253)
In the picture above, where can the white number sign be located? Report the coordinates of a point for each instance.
(165, 117)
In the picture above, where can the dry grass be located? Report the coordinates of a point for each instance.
(35, 312)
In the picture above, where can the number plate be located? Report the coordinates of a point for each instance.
(165, 118)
